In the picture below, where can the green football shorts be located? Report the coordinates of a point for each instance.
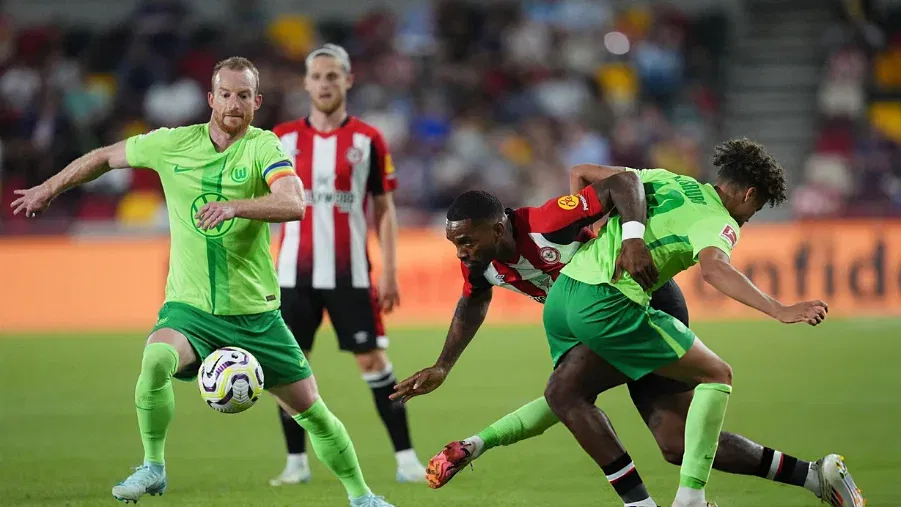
(264, 335)
(634, 339)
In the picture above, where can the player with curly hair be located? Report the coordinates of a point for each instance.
(602, 333)
(664, 403)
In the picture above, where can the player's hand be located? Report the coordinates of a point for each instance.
(422, 382)
(32, 201)
(389, 294)
(811, 312)
(214, 213)
(635, 258)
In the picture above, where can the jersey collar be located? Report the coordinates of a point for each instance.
(306, 121)
(716, 196)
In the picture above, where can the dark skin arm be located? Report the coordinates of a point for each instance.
(583, 175)
(722, 275)
(468, 318)
(624, 191)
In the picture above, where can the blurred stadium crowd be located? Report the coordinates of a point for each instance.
(502, 95)
(855, 167)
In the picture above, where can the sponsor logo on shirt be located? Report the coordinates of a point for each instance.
(181, 169)
(568, 202)
(344, 201)
(584, 202)
(729, 235)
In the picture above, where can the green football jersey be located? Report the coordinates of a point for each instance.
(684, 217)
(227, 270)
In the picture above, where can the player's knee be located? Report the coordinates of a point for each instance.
(723, 373)
(717, 372)
(159, 360)
(559, 398)
(372, 361)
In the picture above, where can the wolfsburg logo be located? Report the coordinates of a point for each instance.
(198, 203)
(240, 174)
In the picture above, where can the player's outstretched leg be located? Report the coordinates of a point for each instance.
(329, 439)
(155, 404)
(663, 405)
(530, 420)
(571, 393)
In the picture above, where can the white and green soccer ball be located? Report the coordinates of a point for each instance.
(231, 380)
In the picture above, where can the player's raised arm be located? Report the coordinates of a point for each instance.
(84, 169)
(624, 191)
(284, 203)
(724, 277)
(468, 318)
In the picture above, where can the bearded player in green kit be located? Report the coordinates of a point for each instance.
(223, 180)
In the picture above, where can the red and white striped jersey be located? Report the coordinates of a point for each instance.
(339, 169)
(546, 237)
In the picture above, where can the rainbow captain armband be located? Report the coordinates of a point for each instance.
(278, 170)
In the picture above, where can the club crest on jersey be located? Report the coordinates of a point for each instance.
(198, 203)
(549, 255)
(354, 155)
(240, 174)
(729, 235)
(568, 202)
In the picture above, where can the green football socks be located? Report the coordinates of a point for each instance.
(702, 433)
(530, 420)
(333, 447)
(154, 399)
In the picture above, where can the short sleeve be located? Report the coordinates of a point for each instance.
(652, 175)
(147, 150)
(272, 161)
(566, 213)
(382, 178)
(718, 232)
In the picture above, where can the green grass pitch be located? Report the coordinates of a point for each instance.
(68, 430)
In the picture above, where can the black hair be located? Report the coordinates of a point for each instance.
(747, 163)
(475, 205)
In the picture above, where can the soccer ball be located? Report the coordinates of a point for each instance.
(231, 380)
